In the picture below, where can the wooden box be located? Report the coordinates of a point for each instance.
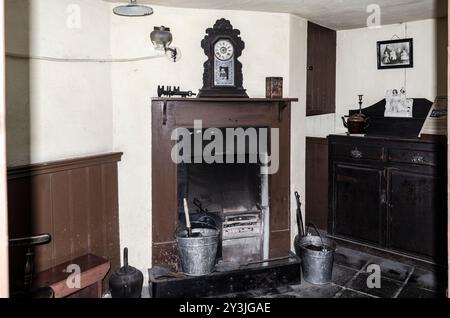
(274, 87)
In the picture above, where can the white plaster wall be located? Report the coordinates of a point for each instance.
(320, 125)
(297, 87)
(357, 73)
(270, 48)
(57, 110)
(61, 109)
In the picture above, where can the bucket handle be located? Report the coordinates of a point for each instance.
(196, 222)
(317, 231)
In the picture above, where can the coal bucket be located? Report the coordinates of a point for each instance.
(317, 256)
(198, 252)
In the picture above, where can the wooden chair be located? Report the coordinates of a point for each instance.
(30, 243)
(55, 281)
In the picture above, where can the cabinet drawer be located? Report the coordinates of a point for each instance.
(427, 158)
(358, 151)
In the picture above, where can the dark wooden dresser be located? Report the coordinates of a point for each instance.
(389, 192)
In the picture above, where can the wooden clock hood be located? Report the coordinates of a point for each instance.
(222, 30)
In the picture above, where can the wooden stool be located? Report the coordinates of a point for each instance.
(93, 271)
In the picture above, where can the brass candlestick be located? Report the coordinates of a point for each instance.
(360, 103)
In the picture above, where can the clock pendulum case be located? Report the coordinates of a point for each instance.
(222, 75)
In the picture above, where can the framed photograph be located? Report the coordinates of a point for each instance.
(395, 54)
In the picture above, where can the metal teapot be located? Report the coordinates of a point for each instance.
(127, 281)
(356, 124)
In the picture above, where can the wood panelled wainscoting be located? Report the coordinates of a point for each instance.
(75, 201)
(316, 201)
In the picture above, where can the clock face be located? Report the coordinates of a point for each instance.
(223, 50)
(223, 63)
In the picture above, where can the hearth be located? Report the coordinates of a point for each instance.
(247, 204)
(259, 275)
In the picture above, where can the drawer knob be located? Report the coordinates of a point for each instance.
(355, 153)
(418, 159)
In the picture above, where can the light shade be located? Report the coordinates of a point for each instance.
(133, 10)
(161, 37)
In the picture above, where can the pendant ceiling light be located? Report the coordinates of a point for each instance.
(133, 10)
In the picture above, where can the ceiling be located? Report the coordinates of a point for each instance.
(335, 14)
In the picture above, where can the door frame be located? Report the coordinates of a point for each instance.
(4, 276)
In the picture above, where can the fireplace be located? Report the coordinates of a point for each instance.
(247, 204)
(232, 197)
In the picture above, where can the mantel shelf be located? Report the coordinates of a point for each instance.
(229, 99)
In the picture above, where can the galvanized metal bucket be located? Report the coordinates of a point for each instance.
(198, 254)
(317, 263)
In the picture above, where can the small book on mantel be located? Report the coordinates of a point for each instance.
(436, 121)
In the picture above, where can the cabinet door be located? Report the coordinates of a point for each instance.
(321, 72)
(359, 208)
(417, 213)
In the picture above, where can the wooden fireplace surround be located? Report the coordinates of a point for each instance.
(170, 113)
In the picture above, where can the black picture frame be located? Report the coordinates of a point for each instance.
(394, 58)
